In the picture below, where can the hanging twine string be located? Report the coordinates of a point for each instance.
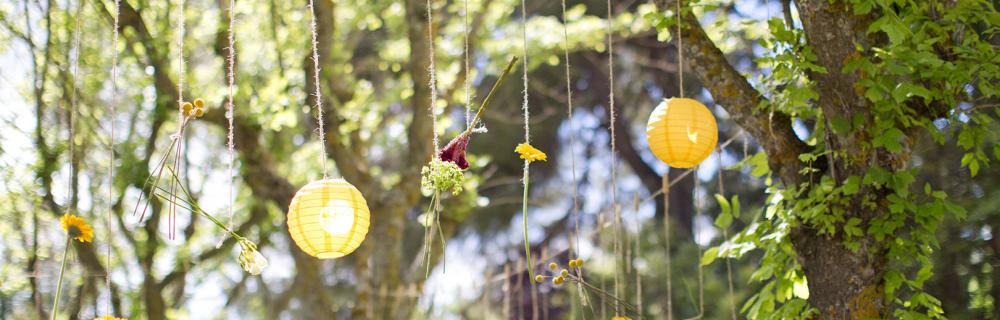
(572, 130)
(680, 51)
(74, 73)
(468, 80)
(177, 137)
(70, 204)
(524, 78)
(614, 151)
(697, 234)
(725, 235)
(111, 152)
(432, 73)
(527, 137)
(318, 92)
(666, 236)
(230, 113)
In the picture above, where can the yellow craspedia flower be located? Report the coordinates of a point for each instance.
(77, 228)
(110, 318)
(529, 153)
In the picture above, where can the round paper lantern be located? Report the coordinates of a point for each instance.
(328, 218)
(682, 132)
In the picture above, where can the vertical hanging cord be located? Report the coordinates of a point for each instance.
(74, 72)
(697, 234)
(181, 66)
(111, 152)
(572, 133)
(725, 237)
(318, 92)
(680, 51)
(527, 137)
(468, 80)
(70, 204)
(231, 113)
(524, 78)
(432, 73)
(666, 237)
(614, 149)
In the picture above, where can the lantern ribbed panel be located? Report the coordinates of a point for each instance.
(328, 218)
(682, 132)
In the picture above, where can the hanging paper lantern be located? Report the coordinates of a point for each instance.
(682, 132)
(328, 218)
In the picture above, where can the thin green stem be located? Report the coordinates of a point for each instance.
(444, 242)
(524, 223)
(489, 96)
(427, 234)
(62, 272)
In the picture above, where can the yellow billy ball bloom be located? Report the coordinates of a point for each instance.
(682, 132)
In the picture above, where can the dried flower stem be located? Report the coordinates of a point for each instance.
(489, 96)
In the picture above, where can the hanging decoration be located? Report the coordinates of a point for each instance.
(76, 227)
(329, 218)
(111, 160)
(525, 150)
(681, 132)
(444, 173)
(176, 194)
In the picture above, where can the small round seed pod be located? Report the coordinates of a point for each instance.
(199, 103)
(564, 273)
(539, 278)
(558, 280)
(198, 113)
(553, 266)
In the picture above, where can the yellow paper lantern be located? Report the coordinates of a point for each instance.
(328, 218)
(682, 132)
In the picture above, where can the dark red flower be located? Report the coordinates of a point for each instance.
(454, 151)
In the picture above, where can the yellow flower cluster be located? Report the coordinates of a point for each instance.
(563, 274)
(529, 153)
(197, 109)
(77, 228)
(110, 318)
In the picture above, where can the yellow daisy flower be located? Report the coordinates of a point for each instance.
(110, 318)
(77, 228)
(529, 153)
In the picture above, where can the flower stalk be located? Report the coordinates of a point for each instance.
(62, 272)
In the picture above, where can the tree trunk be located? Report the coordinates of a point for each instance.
(842, 284)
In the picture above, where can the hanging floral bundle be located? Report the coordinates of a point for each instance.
(445, 172)
(177, 196)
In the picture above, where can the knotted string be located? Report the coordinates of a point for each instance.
(318, 92)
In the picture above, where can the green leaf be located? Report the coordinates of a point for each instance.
(723, 203)
(724, 220)
(890, 140)
(800, 289)
(906, 90)
(840, 124)
(852, 185)
(735, 202)
(709, 256)
(758, 163)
